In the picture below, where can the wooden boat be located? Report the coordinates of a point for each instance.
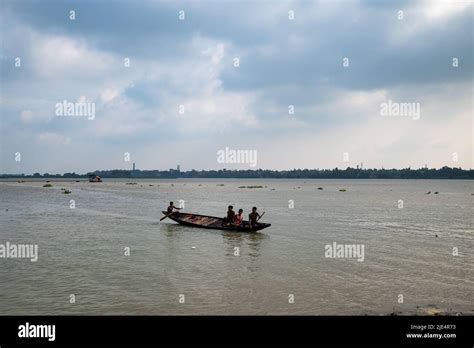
(95, 178)
(212, 222)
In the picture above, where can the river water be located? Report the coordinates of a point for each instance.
(418, 248)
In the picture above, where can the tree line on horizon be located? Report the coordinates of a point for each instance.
(336, 173)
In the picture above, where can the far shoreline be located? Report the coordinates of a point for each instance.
(443, 173)
(73, 179)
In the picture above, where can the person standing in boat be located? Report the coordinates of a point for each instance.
(253, 217)
(171, 207)
(238, 218)
(230, 216)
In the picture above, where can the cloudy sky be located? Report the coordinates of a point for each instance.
(183, 97)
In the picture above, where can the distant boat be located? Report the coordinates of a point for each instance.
(212, 222)
(95, 178)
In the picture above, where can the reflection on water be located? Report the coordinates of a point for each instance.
(171, 229)
(237, 239)
(254, 243)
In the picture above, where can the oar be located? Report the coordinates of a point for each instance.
(164, 217)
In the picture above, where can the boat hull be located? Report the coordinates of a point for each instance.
(212, 222)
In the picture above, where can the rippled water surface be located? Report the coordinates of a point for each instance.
(408, 251)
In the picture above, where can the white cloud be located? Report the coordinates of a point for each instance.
(215, 52)
(423, 18)
(60, 57)
(26, 116)
(435, 9)
(54, 138)
(221, 111)
(109, 94)
(193, 81)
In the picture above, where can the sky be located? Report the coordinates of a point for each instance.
(301, 84)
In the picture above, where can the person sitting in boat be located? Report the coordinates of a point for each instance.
(238, 218)
(253, 217)
(171, 207)
(230, 216)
